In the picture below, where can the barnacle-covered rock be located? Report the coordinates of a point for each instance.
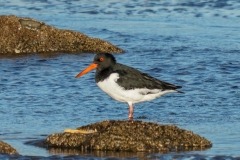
(27, 35)
(130, 136)
(7, 149)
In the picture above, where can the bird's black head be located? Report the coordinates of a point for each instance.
(104, 60)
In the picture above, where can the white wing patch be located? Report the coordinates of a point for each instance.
(136, 95)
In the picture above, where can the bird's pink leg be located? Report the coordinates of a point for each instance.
(131, 110)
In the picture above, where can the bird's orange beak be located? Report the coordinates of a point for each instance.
(88, 69)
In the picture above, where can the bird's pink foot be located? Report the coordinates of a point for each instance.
(131, 110)
(130, 118)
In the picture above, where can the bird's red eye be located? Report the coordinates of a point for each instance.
(101, 59)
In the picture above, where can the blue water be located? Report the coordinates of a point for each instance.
(187, 43)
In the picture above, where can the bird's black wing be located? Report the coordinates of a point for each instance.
(130, 78)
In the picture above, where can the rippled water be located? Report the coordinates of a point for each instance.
(188, 43)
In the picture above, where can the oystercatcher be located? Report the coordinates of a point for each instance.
(126, 84)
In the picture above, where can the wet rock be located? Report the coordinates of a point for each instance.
(27, 35)
(130, 136)
(6, 148)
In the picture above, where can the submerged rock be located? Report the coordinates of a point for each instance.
(130, 136)
(6, 148)
(27, 35)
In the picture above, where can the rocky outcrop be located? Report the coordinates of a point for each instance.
(27, 35)
(6, 148)
(129, 136)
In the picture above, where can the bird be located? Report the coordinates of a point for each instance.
(126, 84)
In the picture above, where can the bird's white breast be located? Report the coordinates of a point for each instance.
(110, 86)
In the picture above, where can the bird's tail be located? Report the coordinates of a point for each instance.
(178, 88)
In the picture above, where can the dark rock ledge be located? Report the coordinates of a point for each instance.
(129, 136)
(27, 35)
(6, 148)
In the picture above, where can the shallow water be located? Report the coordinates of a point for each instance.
(187, 43)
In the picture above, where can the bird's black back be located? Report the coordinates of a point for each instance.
(130, 78)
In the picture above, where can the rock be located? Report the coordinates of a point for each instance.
(27, 35)
(129, 136)
(6, 148)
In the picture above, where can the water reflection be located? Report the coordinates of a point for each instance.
(99, 154)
